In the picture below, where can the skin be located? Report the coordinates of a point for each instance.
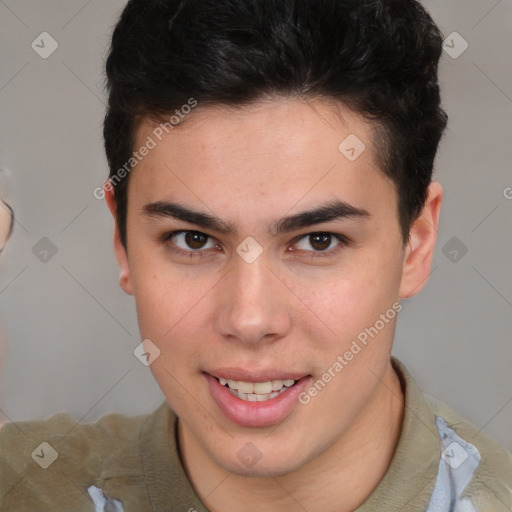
(5, 224)
(291, 309)
(6, 219)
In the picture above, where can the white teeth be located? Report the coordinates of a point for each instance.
(261, 388)
(253, 397)
(245, 387)
(277, 385)
(257, 391)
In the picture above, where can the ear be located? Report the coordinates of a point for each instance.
(122, 258)
(419, 252)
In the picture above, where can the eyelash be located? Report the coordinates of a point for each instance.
(199, 253)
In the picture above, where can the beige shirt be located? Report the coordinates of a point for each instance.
(442, 463)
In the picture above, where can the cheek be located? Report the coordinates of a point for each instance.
(167, 311)
(174, 308)
(358, 309)
(354, 296)
(167, 304)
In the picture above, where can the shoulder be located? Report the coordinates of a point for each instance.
(70, 439)
(49, 464)
(491, 485)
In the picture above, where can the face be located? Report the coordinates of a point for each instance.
(259, 255)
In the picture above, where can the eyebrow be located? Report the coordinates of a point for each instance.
(328, 212)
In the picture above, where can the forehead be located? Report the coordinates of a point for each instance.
(279, 151)
(285, 126)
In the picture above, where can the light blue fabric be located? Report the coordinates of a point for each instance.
(103, 504)
(459, 460)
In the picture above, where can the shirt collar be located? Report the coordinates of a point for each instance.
(407, 485)
(410, 479)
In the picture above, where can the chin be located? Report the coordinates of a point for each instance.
(261, 457)
(277, 466)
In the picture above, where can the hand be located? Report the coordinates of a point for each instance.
(6, 227)
(6, 223)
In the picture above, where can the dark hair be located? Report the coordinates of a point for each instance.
(379, 57)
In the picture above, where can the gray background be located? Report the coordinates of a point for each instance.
(70, 331)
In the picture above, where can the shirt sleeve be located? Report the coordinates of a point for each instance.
(49, 465)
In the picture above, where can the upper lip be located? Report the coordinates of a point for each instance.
(239, 374)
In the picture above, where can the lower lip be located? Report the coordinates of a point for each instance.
(255, 414)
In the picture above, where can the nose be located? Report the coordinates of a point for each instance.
(253, 304)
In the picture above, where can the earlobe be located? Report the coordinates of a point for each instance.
(420, 249)
(125, 281)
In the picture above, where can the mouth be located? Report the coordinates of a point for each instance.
(256, 391)
(255, 400)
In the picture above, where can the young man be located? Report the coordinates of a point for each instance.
(271, 182)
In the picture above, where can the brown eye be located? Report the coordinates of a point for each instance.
(189, 241)
(195, 240)
(320, 241)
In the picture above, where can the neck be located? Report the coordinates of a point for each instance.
(358, 461)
